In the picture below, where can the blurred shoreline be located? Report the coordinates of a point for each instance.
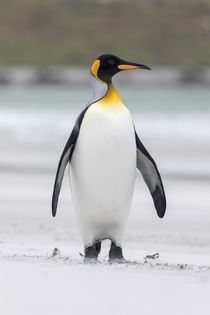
(173, 123)
(72, 76)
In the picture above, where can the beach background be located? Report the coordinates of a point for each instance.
(41, 94)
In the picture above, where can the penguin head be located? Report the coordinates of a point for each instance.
(106, 66)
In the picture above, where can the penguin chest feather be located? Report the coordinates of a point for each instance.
(103, 167)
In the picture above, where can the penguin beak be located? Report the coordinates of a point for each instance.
(130, 65)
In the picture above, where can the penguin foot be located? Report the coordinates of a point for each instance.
(92, 252)
(98, 247)
(116, 255)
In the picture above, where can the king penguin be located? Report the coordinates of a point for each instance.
(104, 151)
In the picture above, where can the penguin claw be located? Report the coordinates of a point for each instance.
(118, 261)
(91, 261)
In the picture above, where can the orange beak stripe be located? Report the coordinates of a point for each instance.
(127, 67)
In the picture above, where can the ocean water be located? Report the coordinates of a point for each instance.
(173, 124)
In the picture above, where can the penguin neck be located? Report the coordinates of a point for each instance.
(104, 92)
(112, 96)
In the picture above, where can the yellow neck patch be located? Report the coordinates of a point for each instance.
(94, 69)
(111, 97)
(111, 101)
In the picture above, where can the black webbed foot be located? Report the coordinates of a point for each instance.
(92, 252)
(116, 255)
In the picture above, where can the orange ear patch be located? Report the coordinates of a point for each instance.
(94, 69)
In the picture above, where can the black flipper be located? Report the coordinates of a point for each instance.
(65, 159)
(150, 173)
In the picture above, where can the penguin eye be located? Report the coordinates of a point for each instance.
(111, 62)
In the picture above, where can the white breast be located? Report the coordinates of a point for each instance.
(103, 172)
